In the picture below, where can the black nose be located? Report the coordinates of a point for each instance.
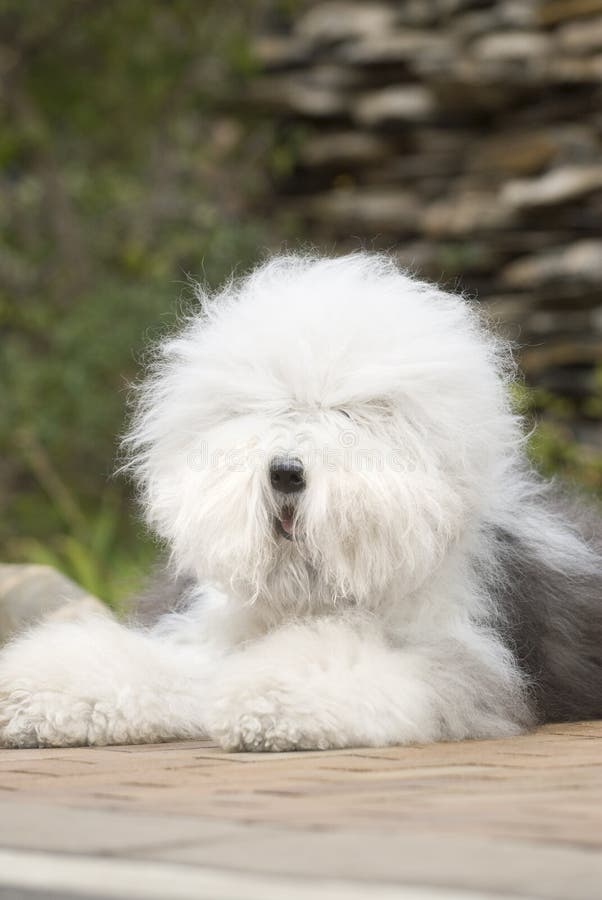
(286, 475)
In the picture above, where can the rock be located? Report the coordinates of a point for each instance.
(585, 352)
(436, 165)
(389, 210)
(300, 97)
(473, 24)
(543, 323)
(419, 257)
(445, 262)
(395, 105)
(440, 12)
(448, 8)
(581, 37)
(348, 148)
(509, 14)
(514, 55)
(573, 382)
(397, 47)
(517, 13)
(553, 12)
(505, 310)
(517, 153)
(29, 593)
(574, 144)
(465, 213)
(329, 76)
(527, 152)
(577, 69)
(581, 263)
(276, 51)
(513, 46)
(327, 23)
(419, 12)
(561, 185)
(317, 103)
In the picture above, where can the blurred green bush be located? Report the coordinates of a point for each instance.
(120, 174)
(553, 447)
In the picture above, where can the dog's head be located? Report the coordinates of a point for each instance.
(322, 428)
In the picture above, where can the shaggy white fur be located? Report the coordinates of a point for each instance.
(356, 609)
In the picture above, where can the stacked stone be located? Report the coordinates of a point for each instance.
(466, 136)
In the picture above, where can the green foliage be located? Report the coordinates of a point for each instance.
(121, 172)
(553, 447)
(96, 554)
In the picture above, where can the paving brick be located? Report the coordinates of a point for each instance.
(520, 817)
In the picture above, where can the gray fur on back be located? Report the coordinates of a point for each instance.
(552, 620)
(163, 593)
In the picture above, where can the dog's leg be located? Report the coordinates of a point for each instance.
(97, 682)
(331, 684)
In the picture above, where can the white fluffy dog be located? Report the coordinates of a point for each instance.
(329, 450)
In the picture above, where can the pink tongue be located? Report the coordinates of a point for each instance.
(287, 524)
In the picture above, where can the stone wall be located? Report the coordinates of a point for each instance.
(466, 136)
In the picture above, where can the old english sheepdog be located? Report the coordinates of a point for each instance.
(361, 552)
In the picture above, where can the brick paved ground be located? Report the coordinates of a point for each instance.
(515, 818)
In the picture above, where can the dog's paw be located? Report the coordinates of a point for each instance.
(248, 725)
(266, 717)
(44, 698)
(33, 717)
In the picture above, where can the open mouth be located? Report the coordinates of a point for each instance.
(285, 523)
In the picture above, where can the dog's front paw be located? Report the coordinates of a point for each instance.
(38, 718)
(267, 717)
(253, 724)
(45, 699)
